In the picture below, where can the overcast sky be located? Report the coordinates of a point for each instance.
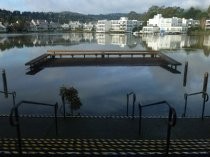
(97, 6)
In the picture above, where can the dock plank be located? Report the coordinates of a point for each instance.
(38, 59)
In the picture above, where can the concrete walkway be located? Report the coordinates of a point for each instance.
(112, 128)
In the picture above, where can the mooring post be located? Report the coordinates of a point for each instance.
(185, 74)
(4, 78)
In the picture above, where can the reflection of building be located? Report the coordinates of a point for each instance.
(121, 40)
(207, 25)
(206, 41)
(168, 41)
(103, 39)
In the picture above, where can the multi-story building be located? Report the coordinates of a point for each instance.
(168, 25)
(121, 25)
(207, 25)
(3, 29)
(103, 26)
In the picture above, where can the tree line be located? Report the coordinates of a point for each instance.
(11, 17)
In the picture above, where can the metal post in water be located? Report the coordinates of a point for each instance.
(205, 82)
(4, 78)
(185, 74)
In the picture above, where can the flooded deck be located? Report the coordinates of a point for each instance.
(61, 58)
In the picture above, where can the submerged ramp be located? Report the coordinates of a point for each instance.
(61, 58)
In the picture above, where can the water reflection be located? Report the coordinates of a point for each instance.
(154, 42)
(103, 89)
(173, 42)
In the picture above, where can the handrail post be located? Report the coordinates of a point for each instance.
(127, 104)
(64, 106)
(185, 105)
(18, 131)
(140, 117)
(171, 122)
(205, 99)
(56, 119)
(168, 132)
(134, 101)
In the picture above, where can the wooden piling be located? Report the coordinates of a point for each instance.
(185, 74)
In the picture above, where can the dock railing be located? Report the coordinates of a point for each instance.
(133, 104)
(14, 120)
(171, 119)
(205, 97)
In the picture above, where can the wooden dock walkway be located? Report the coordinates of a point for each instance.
(58, 58)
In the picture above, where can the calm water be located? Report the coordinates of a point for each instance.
(103, 90)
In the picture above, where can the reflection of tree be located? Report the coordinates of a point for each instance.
(71, 96)
(206, 51)
(34, 40)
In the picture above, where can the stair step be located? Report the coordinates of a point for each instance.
(91, 147)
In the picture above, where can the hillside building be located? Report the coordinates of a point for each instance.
(3, 29)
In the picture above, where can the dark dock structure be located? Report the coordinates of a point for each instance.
(61, 58)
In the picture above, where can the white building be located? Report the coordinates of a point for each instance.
(207, 25)
(65, 26)
(121, 25)
(103, 26)
(168, 25)
(3, 29)
(88, 27)
(74, 25)
(150, 30)
(124, 25)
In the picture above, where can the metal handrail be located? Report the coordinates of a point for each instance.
(205, 99)
(10, 93)
(171, 120)
(133, 104)
(14, 119)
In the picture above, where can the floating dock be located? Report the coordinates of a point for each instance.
(61, 58)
